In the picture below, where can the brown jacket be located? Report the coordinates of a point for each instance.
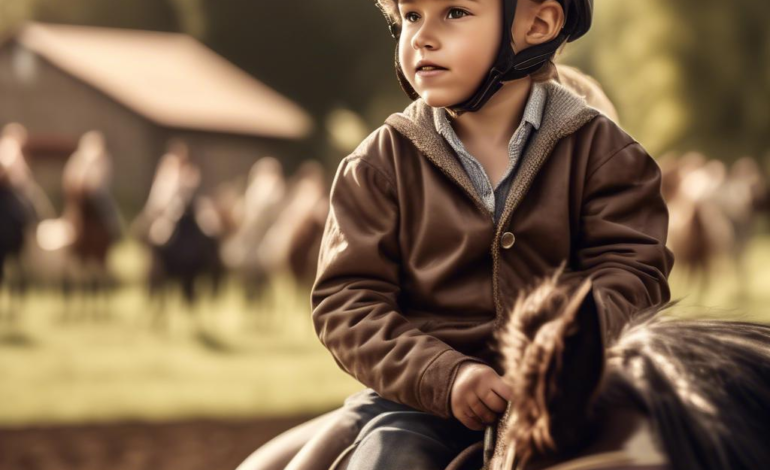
(413, 275)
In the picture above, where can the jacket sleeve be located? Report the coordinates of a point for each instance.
(622, 238)
(355, 297)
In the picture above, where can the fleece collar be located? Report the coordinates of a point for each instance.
(564, 113)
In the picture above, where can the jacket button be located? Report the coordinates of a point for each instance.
(507, 240)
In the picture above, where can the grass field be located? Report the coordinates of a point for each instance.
(225, 358)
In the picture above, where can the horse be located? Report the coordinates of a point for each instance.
(22, 205)
(667, 393)
(742, 198)
(712, 211)
(81, 238)
(182, 229)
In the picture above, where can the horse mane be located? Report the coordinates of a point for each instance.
(703, 384)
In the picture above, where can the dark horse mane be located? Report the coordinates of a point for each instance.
(703, 385)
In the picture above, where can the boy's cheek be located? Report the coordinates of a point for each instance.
(406, 59)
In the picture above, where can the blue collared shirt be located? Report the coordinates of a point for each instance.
(494, 198)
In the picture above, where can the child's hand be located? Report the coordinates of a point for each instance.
(478, 394)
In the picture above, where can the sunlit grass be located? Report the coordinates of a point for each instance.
(728, 294)
(225, 357)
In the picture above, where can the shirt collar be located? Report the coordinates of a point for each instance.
(533, 111)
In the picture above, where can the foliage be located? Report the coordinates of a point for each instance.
(685, 75)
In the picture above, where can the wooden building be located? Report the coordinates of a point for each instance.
(140, 89)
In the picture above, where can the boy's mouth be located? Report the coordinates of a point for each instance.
(429, 71)
(425, 66)
(428, 68)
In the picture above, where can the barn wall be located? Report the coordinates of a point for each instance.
(54, 104)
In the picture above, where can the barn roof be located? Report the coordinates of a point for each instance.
(171, 79)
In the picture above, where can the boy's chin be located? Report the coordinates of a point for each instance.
(442, 100)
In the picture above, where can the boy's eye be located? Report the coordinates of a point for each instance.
(457, 13)
(409, 15)
(454, 13)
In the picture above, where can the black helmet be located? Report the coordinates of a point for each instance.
(508, 65)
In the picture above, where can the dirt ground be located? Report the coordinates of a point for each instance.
(189, 445)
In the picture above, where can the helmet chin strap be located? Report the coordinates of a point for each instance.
(521, 65)
(508, 65)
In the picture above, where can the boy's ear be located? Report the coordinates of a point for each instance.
(547, 21)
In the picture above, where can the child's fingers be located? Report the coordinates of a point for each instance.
(494, 401)
(471, 422)
(482, 411)
(502, 390)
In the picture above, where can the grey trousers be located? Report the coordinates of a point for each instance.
(397, 437)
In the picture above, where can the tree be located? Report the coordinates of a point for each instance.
(685, 75)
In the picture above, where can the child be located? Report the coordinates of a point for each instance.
(490, 179)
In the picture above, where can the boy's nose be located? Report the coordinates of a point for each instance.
(423, 39)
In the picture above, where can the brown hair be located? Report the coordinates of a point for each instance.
(547, 71)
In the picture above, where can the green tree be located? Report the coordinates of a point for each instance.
(685, 75)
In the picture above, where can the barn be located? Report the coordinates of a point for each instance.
(140, 89)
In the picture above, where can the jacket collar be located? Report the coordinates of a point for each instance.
(533, 112)
(564, 113)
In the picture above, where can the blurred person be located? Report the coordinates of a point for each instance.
(88, 203)
(741, 197)
(17, 173)
(165, 185)
(227, 197)
(183, 230)
(245, 252)
(22, 205)
(732, 203)
(14, 212)
(712, 212)
(699, 231)
(494, 175)
(90, 223)
(294, 240)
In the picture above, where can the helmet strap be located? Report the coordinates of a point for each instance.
(508, 65)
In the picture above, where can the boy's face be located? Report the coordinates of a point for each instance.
(461, 37)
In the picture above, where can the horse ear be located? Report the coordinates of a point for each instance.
(580, 373)
(554, 362)
(575, 305)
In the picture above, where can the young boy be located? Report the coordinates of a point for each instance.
(489, 180)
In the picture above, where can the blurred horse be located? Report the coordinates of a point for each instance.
(742, 197)
(181, 228)
(666, 394)
(22, 205)
(712, 212)
(245, 252)
(88, 204)
(699, 232)
(73, 248)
